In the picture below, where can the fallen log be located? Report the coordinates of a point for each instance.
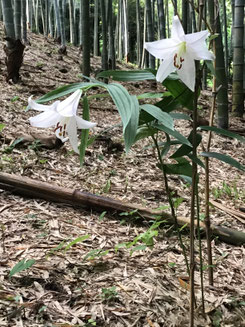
(32, 188)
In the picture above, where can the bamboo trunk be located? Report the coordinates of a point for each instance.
(32, 188)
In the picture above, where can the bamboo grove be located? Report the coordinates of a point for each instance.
(117, 30)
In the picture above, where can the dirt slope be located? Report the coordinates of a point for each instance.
(91, 284)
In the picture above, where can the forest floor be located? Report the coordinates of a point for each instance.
(90, 283)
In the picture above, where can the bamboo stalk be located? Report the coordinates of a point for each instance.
(25, 186)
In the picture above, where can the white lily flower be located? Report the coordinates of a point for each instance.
(62, 115)
(179, 53)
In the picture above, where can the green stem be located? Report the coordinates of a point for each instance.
(170, 201)
(200, 250)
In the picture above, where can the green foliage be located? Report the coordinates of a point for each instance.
(228, 190)
(96, 253)
(183, 167)
(130, 213)
(107, 187)
(109, 294)
(77, 240)
(128, 76)
(1, 127)
(223, 132)
(20, 266)
(143, 240)
(222, 157)
(186, 149)
(157, 113)
(178, 90)
(90, 323)
(10, 148)
(35, 146)
(85, 132)
(102, 215)
(59, 247)
(174, 133)
(217, 318)
(15, 98)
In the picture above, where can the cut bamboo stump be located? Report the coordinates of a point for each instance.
(32, 188)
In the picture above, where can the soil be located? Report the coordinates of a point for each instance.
(81, 275)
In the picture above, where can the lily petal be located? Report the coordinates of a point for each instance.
(84, 124)
(177, 31)
(195, 37)
(165, 69)
(200, 51)
(41, 107)
(68, 107)
(72, 133)
(45, 119)
(162, 48)
(188, 72)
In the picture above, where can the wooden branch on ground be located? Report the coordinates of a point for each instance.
(234, 213)
(32, 188)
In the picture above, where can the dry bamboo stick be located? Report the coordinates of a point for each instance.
(32, 188)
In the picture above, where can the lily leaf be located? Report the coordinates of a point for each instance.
(177, 115)
(128, 108)
(222, 157)
(150, 96)
(128, 76)
(174, 133)
(64, 90)
(158, 114)
(223, 132)
(168, 103)
(196, 160)
(131, 129)
(185, 149)
(143, 132)
(182, 168)
(180, 92)
(85, 132)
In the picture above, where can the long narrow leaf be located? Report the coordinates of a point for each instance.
(184, 169)
(122, 100)
(77, 240)
(177, 115)
(85, 132)
(128, 108)
(158, 114)
(174, 133)
(143, 132)
(222, 157)
(131, 128)
(223, 132)
(185, 149)
(62, 91)
(180, 92)
(149, 96)
(128, 76)
(20, 266)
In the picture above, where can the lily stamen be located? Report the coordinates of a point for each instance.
(178, 62)
(58, 126)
